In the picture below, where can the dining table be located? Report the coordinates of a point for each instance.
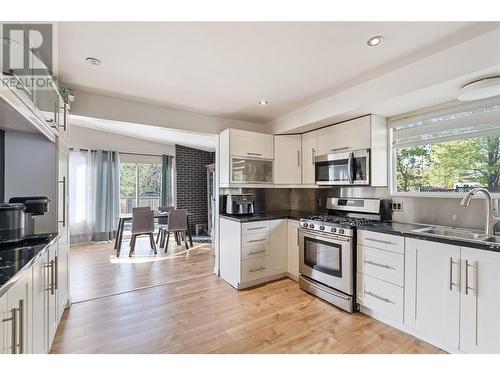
(125, 217)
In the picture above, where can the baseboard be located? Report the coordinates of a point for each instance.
(262, 280)
(292, 276)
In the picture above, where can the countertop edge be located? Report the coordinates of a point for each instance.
(5, 287)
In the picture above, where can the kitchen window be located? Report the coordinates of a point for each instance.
(447, 151)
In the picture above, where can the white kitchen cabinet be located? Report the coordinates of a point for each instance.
(480, 306)
(52, 314)
(41, 281)
(287, 159)
(250, 144)
(252, 253)
(368, 132)
(16, 313)
(278, 254)
(293, 249)
(432, 290)
(309, 152)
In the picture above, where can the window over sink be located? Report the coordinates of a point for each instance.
(448, 150)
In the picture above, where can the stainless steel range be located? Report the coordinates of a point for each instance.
(328, 250)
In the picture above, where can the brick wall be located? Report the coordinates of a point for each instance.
(191, 182)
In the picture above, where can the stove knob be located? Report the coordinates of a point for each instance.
(341, 231)
(334, 230)
(305, 225)
(321, 227)
(311, 225)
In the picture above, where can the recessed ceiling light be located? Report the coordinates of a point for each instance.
(375, 41)
(263, 102)
(480, 89)
(93, 61)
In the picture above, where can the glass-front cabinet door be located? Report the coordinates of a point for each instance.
(246, 170)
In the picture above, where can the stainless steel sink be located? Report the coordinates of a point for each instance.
(457, 233)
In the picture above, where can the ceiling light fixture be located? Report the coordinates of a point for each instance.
(480, 89)
(375, 41)
(263, 102)
(93, 61)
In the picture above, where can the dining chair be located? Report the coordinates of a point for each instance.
(177, 224)
(162, 222)
(142, 224)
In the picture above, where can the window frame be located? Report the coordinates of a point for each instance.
(391, 159)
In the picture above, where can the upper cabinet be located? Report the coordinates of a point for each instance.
(287, 159)
(309, 152)
(245, 158)
(368, 132)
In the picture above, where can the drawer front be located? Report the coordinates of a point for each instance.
(382, 241)
(381, 297)
(255, 239)
(256, 251)
(258, 226)
(253, 269)
(384, 265)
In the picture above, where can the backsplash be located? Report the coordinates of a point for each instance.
(437, 211)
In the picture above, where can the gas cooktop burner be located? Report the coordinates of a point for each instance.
(340, 220)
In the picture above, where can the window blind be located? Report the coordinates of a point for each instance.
(458, 121)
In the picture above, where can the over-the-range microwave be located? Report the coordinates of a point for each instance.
(343, 168)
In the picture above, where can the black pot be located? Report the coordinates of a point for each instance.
(12, 217)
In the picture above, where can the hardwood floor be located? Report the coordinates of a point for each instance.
(203, 314)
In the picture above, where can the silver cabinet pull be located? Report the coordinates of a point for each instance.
(386, 300)
(65, 117)
(313, 154)
(259, 240)
(339, 149)
(467, 287)
(257, 269)
(256, 228)
(21, 326)
(257, 252)
(298, 237)
(63, 182)
(452, 284)
(56, 272)
(380, 241)
(13, 339)
(51, 282)
(378, 264)
(254, 153)
(298, 158)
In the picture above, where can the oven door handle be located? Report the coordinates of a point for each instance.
(350, 167)
(330, 237)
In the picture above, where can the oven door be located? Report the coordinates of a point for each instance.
(343, 168)
(327, 259)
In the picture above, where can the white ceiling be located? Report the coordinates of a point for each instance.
(226, 68)
(157, 134)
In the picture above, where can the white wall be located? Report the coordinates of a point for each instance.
(30, 170)
(86, 138)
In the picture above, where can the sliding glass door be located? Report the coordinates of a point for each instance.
(140, 182)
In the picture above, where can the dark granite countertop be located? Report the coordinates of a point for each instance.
(407, 230)
(270, 215)
(16, 258)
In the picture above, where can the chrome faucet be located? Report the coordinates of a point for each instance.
(491, 219)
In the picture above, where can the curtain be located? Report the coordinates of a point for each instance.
(106, 167)
(166, 180)
(81, 196)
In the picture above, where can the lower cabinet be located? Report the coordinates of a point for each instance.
(293, 249)
(252, 253)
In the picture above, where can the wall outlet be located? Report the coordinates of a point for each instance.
(397, 206)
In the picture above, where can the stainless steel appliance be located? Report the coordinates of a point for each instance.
(343, 168)
(327, 258)
(240, 204)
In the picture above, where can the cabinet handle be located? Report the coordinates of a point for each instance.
(380, 241)
(298, 237)
(257, 269)
(257, 252)
(21, 326)
(256, 228)
(378, 264)
(313, 155)
(63, 126)
(339, 149)
(467, 287)
(56, 272)
(451, 274)
(298, 158)
(254, 153)
(13, 339)
(259, 240)
(63, 182)
(386, 300)
(51, 283)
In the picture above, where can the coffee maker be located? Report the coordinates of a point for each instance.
(240, 204)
